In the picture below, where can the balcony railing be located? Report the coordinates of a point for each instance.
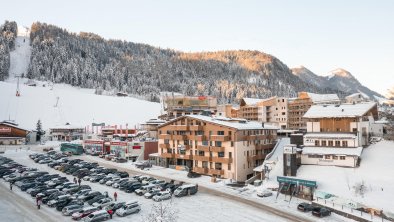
(184, 156)
(200, 170)
(216, 149)
(167, 155)
(178, 127)
(196, 128)
(215, 172)
(199, 137)
(256, 157)
(165, 136)
(202, 158)
(264, 146)
(179, 137)
(164, 145)
(203, 148)
(219, 138)
(222, 160)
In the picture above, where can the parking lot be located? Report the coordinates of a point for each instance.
(187, 208)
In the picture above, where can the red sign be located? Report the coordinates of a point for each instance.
(118, 143)
(136, 147)
(202, 97)
(5, 130)
(94, 141)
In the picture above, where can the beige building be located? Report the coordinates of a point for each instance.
(179, 105)
(227, 110)
(297, 107)
(272, 110)
(357, 98)
(336, 134)
(217, 146)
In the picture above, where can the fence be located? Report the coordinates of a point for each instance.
(349, 212)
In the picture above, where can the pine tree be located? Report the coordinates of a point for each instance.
(40, 132)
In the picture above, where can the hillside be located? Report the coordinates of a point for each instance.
(87, 60)
(338, 79)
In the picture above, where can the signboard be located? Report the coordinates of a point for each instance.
(136, 147)
(289, 149)
(307, 183)
(93, 141)
(98, 124)
(5, 130)
(118, 143)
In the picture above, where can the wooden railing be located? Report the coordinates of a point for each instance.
(203, 148)
(219, 138)
(167, 155)
(200, 170)
(215, 172)
(202, 158)
(222, 160)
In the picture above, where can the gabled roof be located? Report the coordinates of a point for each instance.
(339, 111)
(239, 124)
(14, 126)
(321, 98)
(252, 101)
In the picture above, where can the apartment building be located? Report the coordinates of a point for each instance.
(217, 146)
(297, 107)
(272, 110)
(336, 134)
(178, 105)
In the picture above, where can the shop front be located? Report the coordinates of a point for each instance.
(119, 148)
(297, 187)
(94, 147)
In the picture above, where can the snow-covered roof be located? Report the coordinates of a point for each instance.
(13, 125)
(332, 151)
(239, 124)
(252, 101)
(331, 135)
(321, 98)
(337, 111)
(67, 126)
(356, 95)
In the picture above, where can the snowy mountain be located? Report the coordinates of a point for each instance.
(338, 79)
(390, 93)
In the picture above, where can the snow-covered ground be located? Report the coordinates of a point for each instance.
(200, 207)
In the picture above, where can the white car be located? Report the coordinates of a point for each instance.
(264, 193)
(116, 184)
(102, 201)
(128, 209)
(165, 195)
(113, 180)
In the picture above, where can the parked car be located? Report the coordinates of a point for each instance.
(144, 164)
(83, 213)
(102, 202)
(264, 193)
(100, 215)
(305, 207)
(184, 190)
(114, 206)
(164, 195)
(96, 198)
(321, 212)
(132, 187)
(129, 209)
(69, 210)
(151, 193)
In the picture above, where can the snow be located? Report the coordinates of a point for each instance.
(343, 110)
(334, 151)
(330, 135)
(76, 106)
(322, 98)
(233, 123)
(376, 171)
(252, 101)
(20, 57)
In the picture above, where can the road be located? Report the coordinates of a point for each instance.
(265, 208)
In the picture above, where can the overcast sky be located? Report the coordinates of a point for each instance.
(357, 35)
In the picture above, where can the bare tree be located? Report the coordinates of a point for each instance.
(163, 212)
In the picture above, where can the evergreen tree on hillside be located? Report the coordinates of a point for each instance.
(39, 129)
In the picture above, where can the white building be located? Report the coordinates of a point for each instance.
(336, 134)
(357, 98)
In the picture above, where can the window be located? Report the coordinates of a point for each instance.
(166, 141)
(201, 153)
(317, 142)
(330, 143)
(230, 155)
(196, 163)
(231, 143)
(327, 157)
(218, 143)
(205, 143)
(229, 166)
(334, 157)
(342, 158)
(344, 143)
(337, 143)
(323, 143)
(220, 154)
(204, 164)
(221, 133)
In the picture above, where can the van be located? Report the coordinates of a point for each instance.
(187, 189)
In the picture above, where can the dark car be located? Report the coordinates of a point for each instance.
(26, 186)
(132, 187)
(305, 207)
(122, 174)
(91, 196)
(95, 199)
(321, 212)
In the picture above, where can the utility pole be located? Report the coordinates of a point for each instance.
(17, 87)
(57, 101)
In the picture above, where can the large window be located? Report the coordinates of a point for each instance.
(337, 143)
(342, 158)
(330, 143)
(220, 154)
(221, 133)
(218, 143)
(317, 142)
(323, 143)
(344, 143)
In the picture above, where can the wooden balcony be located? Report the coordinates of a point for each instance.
(202, 158)
(256, 157)
(165, 136)
(215, 172)
(196, 128)
(199, 137)
(184, 156)
(167, 155)
(264, 146)
(200, 170)
(164, 145)
(219, 138)
(216, 149)
(178, 127)
(179, 137)
(222, 160)
(203, 148)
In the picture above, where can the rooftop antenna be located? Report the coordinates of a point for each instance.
(17, 87)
